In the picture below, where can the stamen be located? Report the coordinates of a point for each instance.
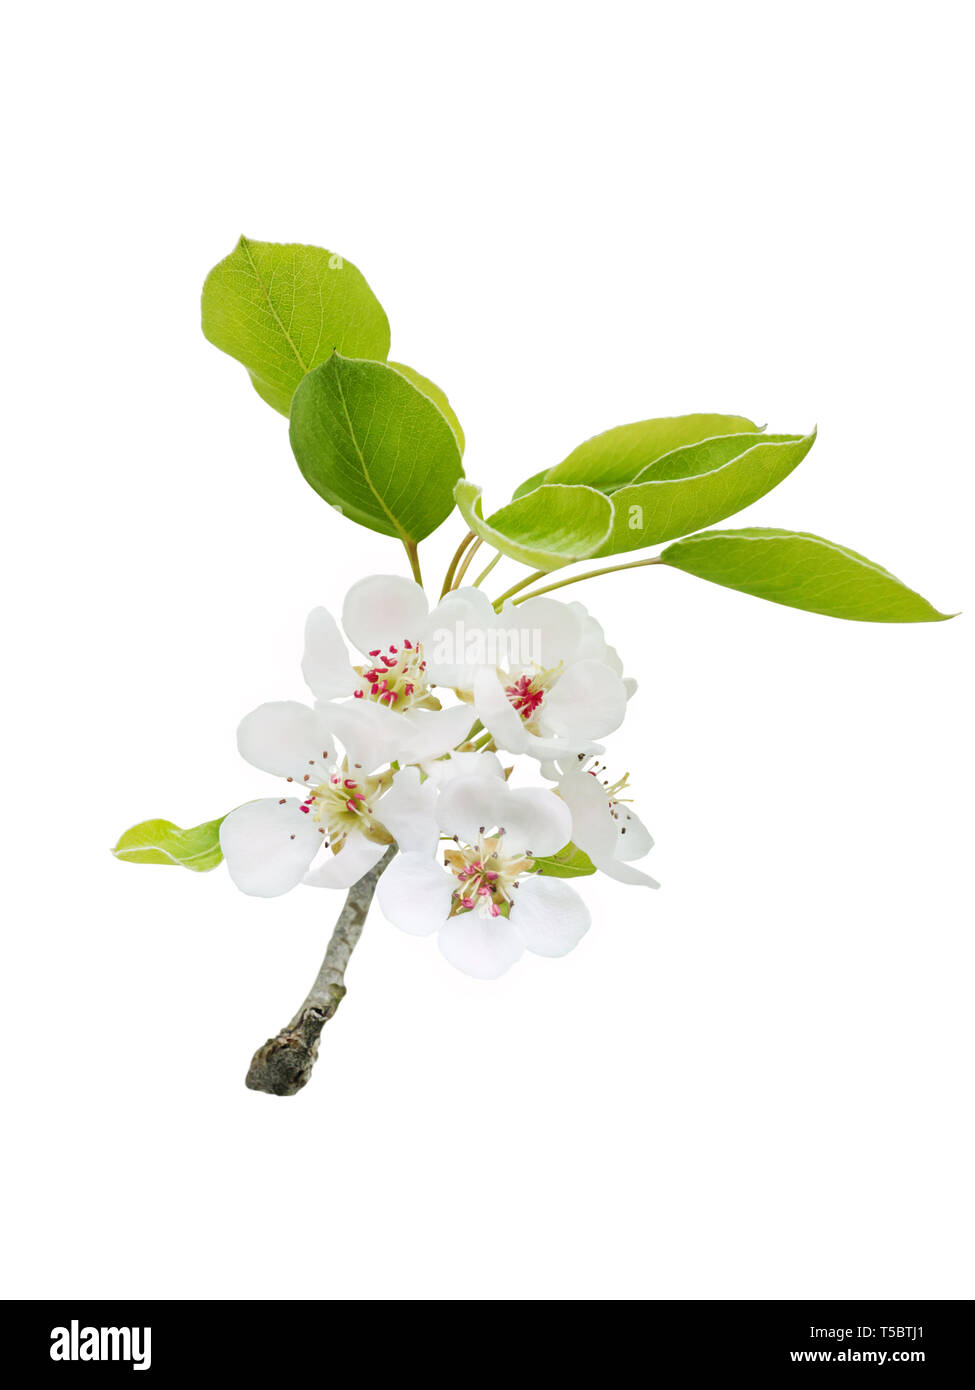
(525, 696)
(486, 874)
(397, 676)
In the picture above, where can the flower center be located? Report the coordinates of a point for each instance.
(398, 677)
(486, 875)
(615, 804)
(527, 692)
(342, 802)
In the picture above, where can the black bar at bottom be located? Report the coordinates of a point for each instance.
(270, 1341)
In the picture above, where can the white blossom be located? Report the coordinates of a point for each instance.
(347, 810)
(604, 823)
(384, 617)
(486, 900)
(540, 674)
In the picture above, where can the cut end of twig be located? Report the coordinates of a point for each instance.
(284, 1064)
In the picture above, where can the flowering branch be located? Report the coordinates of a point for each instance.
(401, 763)
(283, 1065)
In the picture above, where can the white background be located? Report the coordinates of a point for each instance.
(755, 1083)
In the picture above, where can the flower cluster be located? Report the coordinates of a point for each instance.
(420, 742)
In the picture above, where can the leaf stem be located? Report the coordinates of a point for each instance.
(522, 584)
(283, 1065)
(484, 573)
(590, 574)
(452, 567)
(462, 569)
(412, 550)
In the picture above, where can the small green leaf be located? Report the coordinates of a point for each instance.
(801, 571)
(282, 310)
(376, 447)
(700, 484)
(439, 398)
(616, 457)
(545, 529)
(161, 842)
(570, 862)
(530, 484)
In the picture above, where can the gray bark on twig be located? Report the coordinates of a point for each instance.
(284, 1064)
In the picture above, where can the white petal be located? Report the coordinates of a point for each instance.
(630, 686)
(637, 841)
(437, 731)
(610, 657)
(497, 714)
(325, 664)
(371, 734)
(268, 845)
(556, 628)
(593, 828)
(284, 737)
(383, 609)
(482, 764)
(355, 858)
(547, 749)
(484, 947)
(624, 873)
(532, 819)
(467, 803)
(458, 638)
(549, 915)
(406, 810)
(593, 643)
(414, 894)
(587, 701)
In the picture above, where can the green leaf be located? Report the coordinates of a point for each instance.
(282, 310)
(376, 447)
(570, 862)
(801, 571)
(616, 457)
(700, 484)
(549, 527)
(439, 398)
(530, 484)
(161, 842)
